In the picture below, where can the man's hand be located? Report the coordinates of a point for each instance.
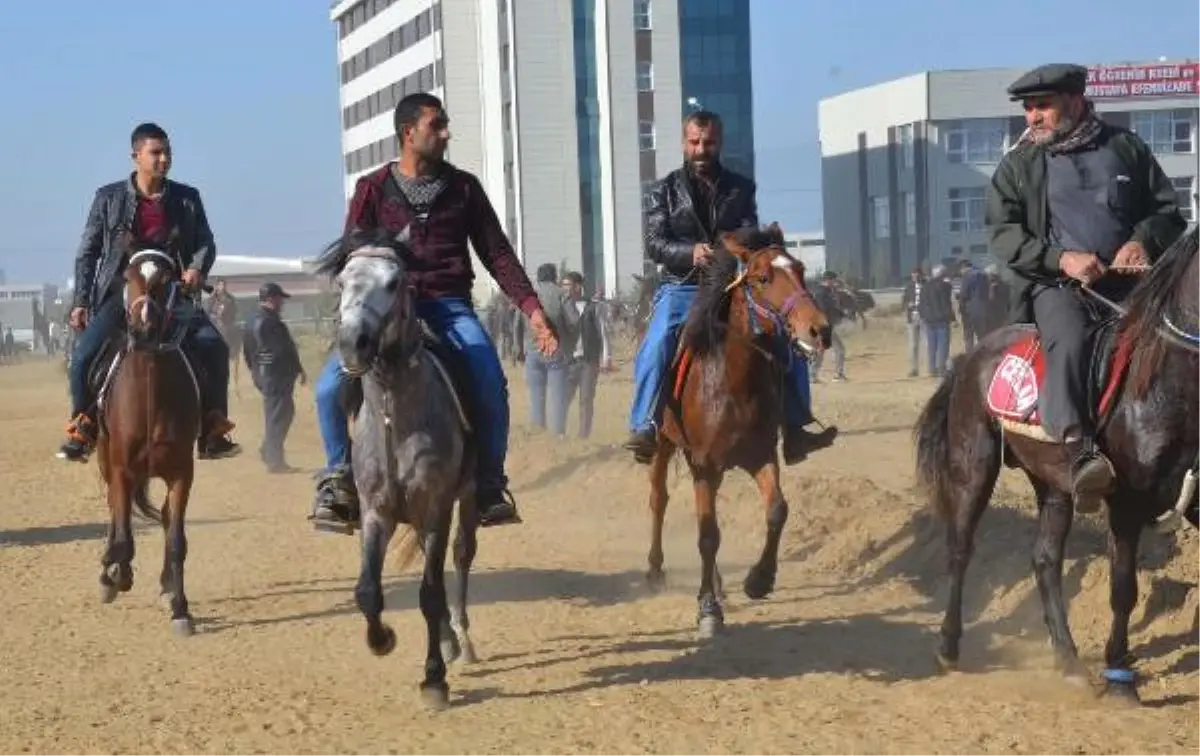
(543, 335)
(193, 280)
(701, 254)
(1131, 255)
(79, 318)
(1082, 266)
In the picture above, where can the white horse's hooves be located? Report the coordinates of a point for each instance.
(183, 627)
(108, 593)
(710, 627)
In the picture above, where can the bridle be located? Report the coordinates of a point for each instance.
(408, 351)
(776, 315)
(144, 300)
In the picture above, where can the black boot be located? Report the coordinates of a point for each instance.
(335, 505)
(643, 444)
(1092, 475)
(797, 442)
(496, 508)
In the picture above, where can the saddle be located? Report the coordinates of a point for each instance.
(1016, 385)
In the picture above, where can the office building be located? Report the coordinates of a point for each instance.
(905, 164)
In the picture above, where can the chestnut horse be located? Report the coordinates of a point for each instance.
(1149, 433)
(151, 418)
(727, 404)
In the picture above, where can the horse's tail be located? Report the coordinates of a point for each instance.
(142, 501)
(932, 436)
(408, 545)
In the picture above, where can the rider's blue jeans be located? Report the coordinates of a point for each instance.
(203, 340)
(455, 321)
(671, 305)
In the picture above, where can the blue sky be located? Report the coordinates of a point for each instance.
(248, 91)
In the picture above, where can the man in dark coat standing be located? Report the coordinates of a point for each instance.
(274, 364)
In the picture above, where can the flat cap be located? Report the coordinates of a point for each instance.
(272, 289)
(1052, 78)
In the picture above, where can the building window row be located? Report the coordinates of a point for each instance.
(370, 155)
(361, 14)
(967, 208)
(645, 76)
(979, 140)
(881, 219)
(384, 100)
(1167, 132)
(393, 43)
(642, 15)
(646, 136)
(1185, 196)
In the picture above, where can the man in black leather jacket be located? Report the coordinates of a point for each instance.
(148, 210)
(688, 210)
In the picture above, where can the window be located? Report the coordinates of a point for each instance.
(967, 207)
(647, 186)
(641, 15)
(1166, 131)
(1185, 197)
(645, 76)
(979, 140)
(646, 135)
(905, 136)
(979, 250)
(881, 221)
(910, 214)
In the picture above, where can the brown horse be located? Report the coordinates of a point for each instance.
(1149, 428)
(727, 404)
(151, 418)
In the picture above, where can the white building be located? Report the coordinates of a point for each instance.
(905, 164)
(809, 248)
(558, 106)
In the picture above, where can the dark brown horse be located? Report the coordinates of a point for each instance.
(151, 418)
(728, 402)
(1149, 432)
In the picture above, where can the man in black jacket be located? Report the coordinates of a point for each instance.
(936, 311)
(1072, 198)
(586, 345)
(274, 363)
(688, 210)
(146, 209)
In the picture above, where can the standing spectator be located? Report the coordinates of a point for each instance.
(972, 305)
(54, 334)
(547, 376)
(937, 313)
(826, 296)
(590, 352)
(998, 294)
(274, 364)
(912, 318)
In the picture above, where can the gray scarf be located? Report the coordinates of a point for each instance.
(1082, 135)
(421, 191)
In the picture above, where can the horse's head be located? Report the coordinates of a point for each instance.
(775, 282)
(150, 290)
(377, 312)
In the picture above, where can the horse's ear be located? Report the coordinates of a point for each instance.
(405, 235)
(730, 243)
(775, 232)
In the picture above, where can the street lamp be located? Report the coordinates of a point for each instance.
(694, 104)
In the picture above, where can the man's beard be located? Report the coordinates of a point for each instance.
(712, 165)
(1065, 126)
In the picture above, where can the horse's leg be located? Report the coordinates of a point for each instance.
(761, 579)
(117, 562)
(706, 481)
(164, 578)
(1119, 679)
(968, 500)
(377, 530)
(178, 492)
(1055, 514)
(465, 545)
(434, 690)
(658, 510)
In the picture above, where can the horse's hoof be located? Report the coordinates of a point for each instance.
(381, 641)
(183, 627)
(710, 626)
(656, 580)
(758, 584)
(123, 578)
(108, 593)
(1120, 685)
(435, 696)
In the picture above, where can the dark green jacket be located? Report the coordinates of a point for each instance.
(1018, 213)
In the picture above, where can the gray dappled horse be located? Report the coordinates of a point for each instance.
(412, 452)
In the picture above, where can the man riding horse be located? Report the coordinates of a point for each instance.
(445, 208)
(688, 209)
(1073, 198)
(147, 209)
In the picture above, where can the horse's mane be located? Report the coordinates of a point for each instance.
(708, 319)
(333, 257)
(1153, 298)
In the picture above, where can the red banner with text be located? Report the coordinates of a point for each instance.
(1156, 80)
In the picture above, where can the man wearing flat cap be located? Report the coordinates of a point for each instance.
(274, 364)
(1073, 198)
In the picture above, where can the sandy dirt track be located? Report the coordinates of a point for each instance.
(576, 655)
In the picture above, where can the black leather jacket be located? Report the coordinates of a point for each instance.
(674, 228)
(100, 258)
